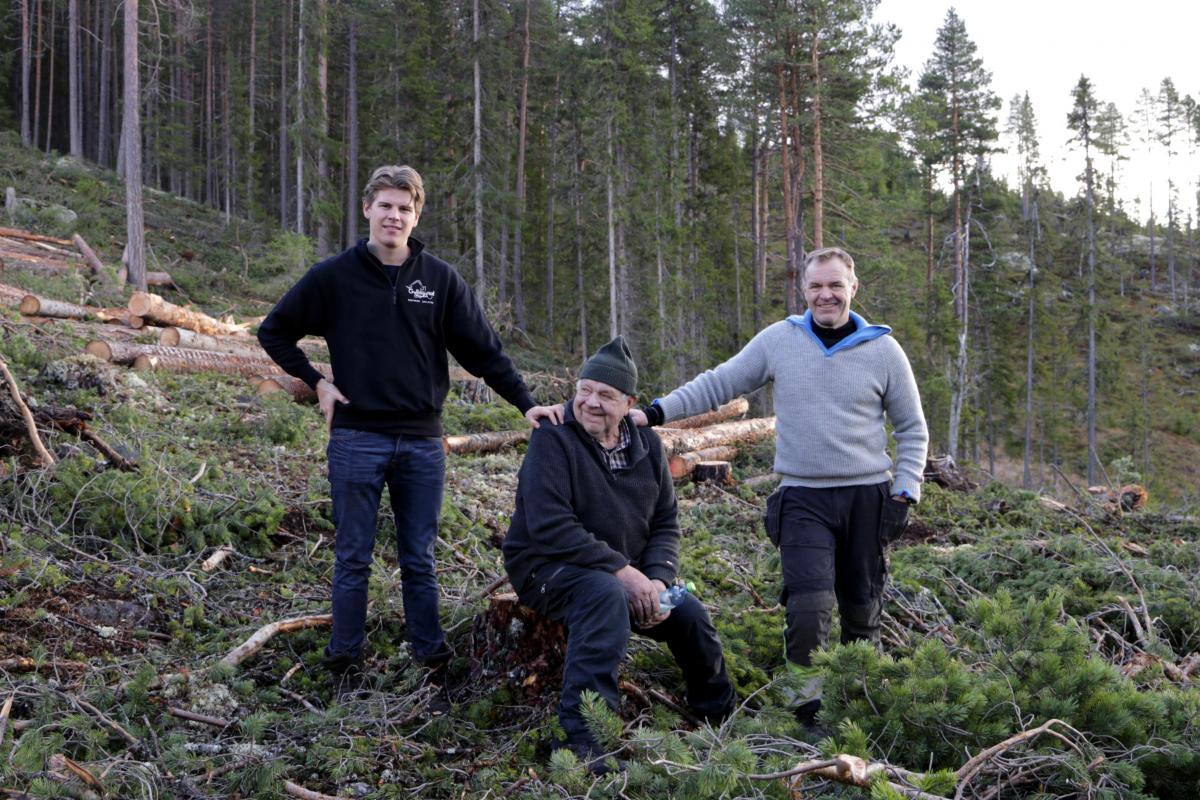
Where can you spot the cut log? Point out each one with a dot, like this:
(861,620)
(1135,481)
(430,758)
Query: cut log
(746,430)
(36,265)
(13,233)
(682,464)
(11,295)
(182,359)
(734,408)
(89,256)
(156,309)
(34,306)
(718,472)
(241,345)
(488,442)
(298,389)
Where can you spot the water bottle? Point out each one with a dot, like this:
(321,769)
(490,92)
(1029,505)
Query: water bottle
(670,597)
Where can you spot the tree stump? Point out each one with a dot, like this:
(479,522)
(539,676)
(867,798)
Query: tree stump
(945,473)
(718,472)
(516,641)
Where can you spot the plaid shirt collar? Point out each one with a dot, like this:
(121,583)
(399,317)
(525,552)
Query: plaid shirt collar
(617,458)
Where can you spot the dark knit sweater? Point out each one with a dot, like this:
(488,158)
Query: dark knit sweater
(388,338)
(572,509)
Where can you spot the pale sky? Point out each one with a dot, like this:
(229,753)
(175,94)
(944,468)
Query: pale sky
(1043,46)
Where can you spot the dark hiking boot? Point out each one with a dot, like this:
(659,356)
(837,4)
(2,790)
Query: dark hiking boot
(349,680)
(806,715)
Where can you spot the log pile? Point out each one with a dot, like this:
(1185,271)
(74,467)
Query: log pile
(32,253)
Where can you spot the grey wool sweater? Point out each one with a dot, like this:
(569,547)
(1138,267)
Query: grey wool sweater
(829,404)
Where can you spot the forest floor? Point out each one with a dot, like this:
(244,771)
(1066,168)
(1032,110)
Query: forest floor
(1030,649)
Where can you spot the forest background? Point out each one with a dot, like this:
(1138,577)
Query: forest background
(659,169)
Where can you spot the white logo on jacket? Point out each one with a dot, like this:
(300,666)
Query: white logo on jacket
(417,293)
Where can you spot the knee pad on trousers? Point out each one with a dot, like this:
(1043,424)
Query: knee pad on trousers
(861,622)
(808,619)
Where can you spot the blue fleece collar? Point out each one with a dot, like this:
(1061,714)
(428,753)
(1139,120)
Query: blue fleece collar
(864,332)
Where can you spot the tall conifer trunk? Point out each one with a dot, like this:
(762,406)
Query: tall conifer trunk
(135,247)
(74,68)
(477,158)
(519,221)
(300,120)
(284,158)
(350,230)
(26,62)
(324,245)
(104,124)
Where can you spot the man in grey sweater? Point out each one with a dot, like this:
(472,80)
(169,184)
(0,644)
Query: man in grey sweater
(841,499)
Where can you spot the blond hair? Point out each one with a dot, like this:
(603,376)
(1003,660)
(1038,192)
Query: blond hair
(827,254)
(394,176)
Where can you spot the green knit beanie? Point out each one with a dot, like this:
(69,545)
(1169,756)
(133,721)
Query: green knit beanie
(613,364)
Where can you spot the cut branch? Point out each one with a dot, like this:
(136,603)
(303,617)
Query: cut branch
(264,634)
(30,428)
(296,790)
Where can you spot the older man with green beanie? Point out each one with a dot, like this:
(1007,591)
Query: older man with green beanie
(595,539)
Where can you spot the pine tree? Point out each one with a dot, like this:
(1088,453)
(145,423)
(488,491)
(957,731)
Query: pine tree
(1082,120)
(954,88)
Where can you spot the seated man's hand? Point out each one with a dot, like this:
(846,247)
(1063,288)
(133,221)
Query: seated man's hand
(642,594)
(659,588)
(553,413)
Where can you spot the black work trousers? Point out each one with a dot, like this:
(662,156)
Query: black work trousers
(831,545)
(593,606)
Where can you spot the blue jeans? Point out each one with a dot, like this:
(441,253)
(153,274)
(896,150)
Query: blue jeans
(413,467)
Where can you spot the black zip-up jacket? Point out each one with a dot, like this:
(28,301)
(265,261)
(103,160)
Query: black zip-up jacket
(388,339)
(572,509)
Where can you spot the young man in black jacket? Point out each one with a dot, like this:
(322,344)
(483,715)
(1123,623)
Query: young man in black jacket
(389,311)
(593,542)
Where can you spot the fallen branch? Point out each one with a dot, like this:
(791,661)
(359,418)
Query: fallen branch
(203,719)
(976,763)
(651,694)
(36,440)
(296,790)
(4,712)
(264,634)
(216,559)
(26,664)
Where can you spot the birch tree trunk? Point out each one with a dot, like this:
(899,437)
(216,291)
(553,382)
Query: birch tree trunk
(350,231)
(134,226)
